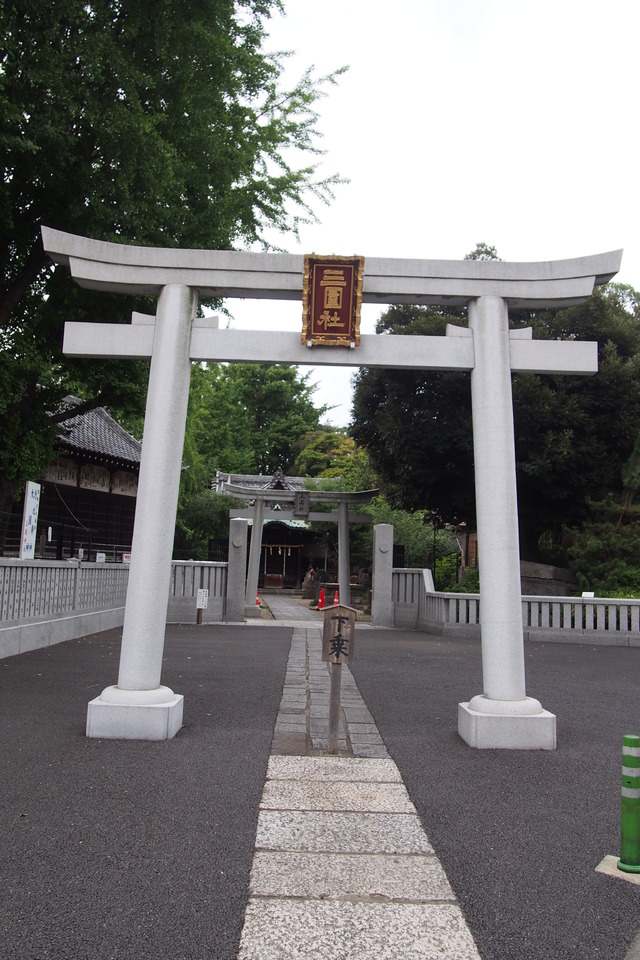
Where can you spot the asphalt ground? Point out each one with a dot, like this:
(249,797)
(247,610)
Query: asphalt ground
(518,833)
(121,849)
(130,850)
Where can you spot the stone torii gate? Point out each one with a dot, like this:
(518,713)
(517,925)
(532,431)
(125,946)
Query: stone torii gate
(342,516)
(139,707)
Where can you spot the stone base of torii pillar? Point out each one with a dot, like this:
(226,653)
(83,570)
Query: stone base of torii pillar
(506,724)
(116,713)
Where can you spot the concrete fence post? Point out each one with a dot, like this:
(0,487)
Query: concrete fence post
(344,563)
(76,585)
(255,552)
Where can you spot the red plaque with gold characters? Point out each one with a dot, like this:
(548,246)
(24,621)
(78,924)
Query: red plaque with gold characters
(331,297)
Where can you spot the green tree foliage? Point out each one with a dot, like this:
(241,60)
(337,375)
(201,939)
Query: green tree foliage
(605,554)
(147,123)
(242,418)
(413,532)
(416,427)
(203,515)
(246,418)
(630,481)
(573,434)
(216,423)
(331,453)
(483,252)
(469,581)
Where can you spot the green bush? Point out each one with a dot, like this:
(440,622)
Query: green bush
(447,572)
(470,583)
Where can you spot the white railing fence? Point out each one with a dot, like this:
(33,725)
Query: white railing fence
(46,588)
(43,602)
(63,597)
(189,576)
(43,588)
(568,619)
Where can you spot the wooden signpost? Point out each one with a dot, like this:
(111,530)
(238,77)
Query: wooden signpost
(338,638)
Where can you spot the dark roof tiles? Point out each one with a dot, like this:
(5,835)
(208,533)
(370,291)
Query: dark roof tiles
(96,434)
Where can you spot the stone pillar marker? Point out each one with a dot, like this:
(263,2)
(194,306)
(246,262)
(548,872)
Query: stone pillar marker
(381,575)
(502,716)
(236,571)
(338,639)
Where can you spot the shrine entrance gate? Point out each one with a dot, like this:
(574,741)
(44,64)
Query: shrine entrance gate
(138,706)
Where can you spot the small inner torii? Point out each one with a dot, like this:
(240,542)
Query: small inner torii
(298,506)
(138,706)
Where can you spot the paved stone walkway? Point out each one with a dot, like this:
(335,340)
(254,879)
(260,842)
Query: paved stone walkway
(302,724)
(342,869)
(286,607)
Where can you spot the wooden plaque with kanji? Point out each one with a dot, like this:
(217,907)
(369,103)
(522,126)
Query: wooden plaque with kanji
(338,635)
(331,298)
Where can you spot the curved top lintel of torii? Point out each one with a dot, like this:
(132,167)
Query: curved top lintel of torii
(124,268)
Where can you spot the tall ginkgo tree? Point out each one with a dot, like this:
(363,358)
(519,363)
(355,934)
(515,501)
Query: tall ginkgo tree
(158,124)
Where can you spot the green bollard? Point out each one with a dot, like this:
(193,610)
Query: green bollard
(630,806)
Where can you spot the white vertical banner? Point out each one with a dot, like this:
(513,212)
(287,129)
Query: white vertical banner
(30,520)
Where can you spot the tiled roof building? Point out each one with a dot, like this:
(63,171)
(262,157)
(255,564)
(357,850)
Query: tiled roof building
(97,436)
(88,497)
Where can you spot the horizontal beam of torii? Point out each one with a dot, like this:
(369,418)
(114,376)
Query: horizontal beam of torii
(453,352)
(120,268)
(314,516)
(503,716)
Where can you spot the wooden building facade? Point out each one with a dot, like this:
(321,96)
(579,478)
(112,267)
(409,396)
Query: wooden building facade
(88,495)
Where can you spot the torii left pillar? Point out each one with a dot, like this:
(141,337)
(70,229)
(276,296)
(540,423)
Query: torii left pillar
(139,706)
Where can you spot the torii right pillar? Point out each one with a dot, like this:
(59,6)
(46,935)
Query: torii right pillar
(503,715)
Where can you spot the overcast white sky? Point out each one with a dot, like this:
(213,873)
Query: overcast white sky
(462,121)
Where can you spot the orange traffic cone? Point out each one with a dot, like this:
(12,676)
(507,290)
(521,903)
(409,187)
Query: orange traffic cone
(321,601)
(257,599)
(335,600)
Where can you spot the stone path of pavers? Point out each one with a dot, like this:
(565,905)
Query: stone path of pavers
(342,869)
